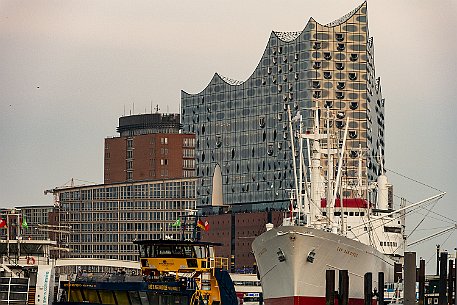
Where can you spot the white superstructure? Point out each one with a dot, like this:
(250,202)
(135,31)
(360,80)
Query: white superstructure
(324,231)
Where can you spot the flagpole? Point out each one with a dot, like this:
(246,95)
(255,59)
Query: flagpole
(8,236)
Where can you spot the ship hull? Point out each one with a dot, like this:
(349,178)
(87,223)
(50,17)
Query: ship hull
(292,263)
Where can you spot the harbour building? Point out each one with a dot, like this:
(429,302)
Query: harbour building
(26,222)
(243,147)
(148,185)
(150,146)
(105,219)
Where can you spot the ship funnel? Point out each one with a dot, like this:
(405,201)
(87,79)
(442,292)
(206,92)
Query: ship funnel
(269,226)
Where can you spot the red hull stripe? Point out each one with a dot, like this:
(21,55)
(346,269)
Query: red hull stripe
(301,300)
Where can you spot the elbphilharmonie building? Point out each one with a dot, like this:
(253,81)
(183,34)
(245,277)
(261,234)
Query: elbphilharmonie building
(243,145)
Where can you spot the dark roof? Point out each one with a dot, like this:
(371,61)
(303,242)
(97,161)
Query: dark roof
(174,242)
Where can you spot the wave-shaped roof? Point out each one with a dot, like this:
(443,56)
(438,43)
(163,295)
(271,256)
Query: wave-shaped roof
(345,17)
(288,36)
(230,81)
(291,36)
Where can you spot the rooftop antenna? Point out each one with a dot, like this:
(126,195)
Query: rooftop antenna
(157,108)
(151,106)
(134,108)
(124,109)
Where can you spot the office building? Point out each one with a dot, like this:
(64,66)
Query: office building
(27,222)
(243,148)
(150,146)
(106,218)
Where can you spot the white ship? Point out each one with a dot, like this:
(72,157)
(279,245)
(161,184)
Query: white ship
(361,235)
(26,266)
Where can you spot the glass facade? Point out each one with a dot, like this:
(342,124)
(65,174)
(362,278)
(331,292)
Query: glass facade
(243,126)
(105,219)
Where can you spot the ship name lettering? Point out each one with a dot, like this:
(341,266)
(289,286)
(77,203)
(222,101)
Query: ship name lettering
(345,251)
(163,287)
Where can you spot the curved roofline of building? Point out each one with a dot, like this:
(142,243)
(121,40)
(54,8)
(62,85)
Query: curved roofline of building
(233,82)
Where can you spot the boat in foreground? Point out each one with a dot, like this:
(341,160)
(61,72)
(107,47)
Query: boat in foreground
(172,272)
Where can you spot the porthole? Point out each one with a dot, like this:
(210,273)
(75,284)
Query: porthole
(354,57)
(352,134)
(327,55)
(339,36)
(316,45)
(354,105)
(340,47)
(339,124)
(328,104)
(340,115)
(339,95)
(327,74)
(317,94)
(352,75)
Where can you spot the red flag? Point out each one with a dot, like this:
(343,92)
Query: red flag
(2,223)
(203,225)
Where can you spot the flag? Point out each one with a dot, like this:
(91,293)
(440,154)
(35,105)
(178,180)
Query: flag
(177,223)
(2,223)
(203,225)
(24,223)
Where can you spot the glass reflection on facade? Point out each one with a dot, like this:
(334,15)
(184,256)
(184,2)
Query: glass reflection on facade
(243,126)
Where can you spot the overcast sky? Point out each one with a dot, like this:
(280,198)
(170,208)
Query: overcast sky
(68,69)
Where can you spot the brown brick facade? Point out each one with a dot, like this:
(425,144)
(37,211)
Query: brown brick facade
(149,156)
(246,227)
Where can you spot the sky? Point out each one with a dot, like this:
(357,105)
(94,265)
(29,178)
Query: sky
(70,69)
